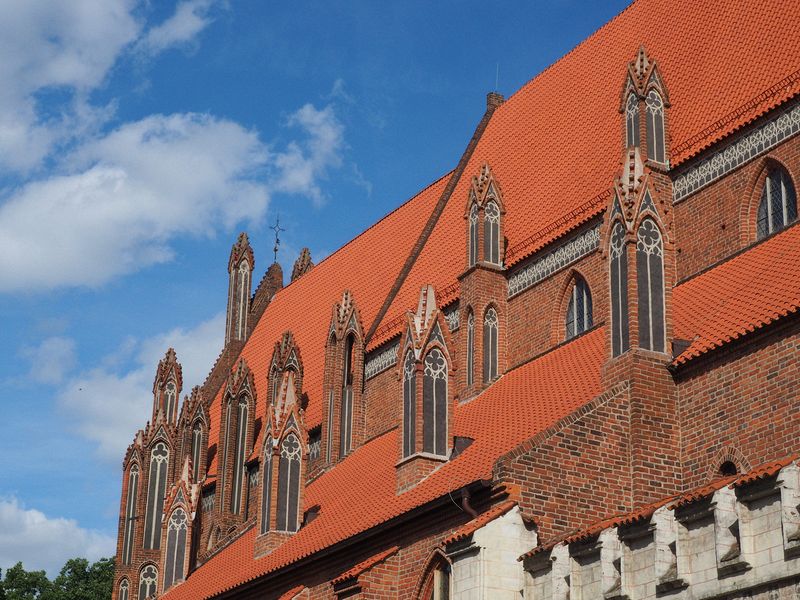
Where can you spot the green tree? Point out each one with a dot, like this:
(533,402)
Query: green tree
(79,580)
(20,584)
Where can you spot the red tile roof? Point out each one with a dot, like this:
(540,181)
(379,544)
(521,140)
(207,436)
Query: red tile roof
(764,471)
(290,595)
(360,493)
(739,296)
(463,532)
(365,565)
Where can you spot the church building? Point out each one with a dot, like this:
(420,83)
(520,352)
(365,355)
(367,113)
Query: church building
(567,369)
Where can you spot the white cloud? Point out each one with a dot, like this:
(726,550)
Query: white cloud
(51,360)
(125,196)
(302,165)
(42,542)
(108,404)
(189,19)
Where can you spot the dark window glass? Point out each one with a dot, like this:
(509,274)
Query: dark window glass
(470,348)
(266,486)
(632,120)
(778,206)
(346,413)
(223,463)
(491,233)
(409,404)
(170,400)
(655,126)
(176,548)
(329,430)
(131,501)
(275,382)
(238,457)
(434,403)
(197,441)
(579,310)
(619,291)
(490,346)
(288,484)
(473,234)
(156,490)
(148,582)
(650,284)
(124,590)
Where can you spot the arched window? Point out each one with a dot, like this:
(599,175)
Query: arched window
(266,486)
(632,120)
(409,404)
(197,447)
(238,457)
(655,127)
(473,234)
(470,348)
(156,490)
(148,582)
(288,484)
(131,500)
(437,583)
(650,285)
(579,309)
(244,289)
(619,291)
(346,414)
(124,590)
(490,346)
(176,548)
(491,233)
(434,403)
(778,206)
(329,430)
(170,397)
(275,384)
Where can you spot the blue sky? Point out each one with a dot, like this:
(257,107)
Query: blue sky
(138,137)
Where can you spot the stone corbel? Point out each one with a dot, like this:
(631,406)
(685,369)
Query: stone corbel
(789,484)
(665,537)
(726,533)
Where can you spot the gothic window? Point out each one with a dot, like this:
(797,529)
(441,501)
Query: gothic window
(239,457)
(148,582)
(619,291)
(176,548)
(170,397)
(224,459)
(156,490)
(244,289)
(778,206)
(434,403)
(288,483)
(346,413)
(655,126)
(632,120)
(130,514)
(329,430)
(409,404)
(266,486)
(124,590)
(650,285)
(437,584)
(491,233)
(579,309)
(275,384)
(490,325)
(473,234)
(197,447)
(470,348)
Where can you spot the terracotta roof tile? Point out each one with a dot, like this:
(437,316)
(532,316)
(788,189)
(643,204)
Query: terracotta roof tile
(360,493)
(481,520)
(764,471)
(739,296)
(365,565)
(290,595)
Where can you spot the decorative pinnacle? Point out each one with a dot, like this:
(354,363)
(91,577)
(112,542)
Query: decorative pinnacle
(277,229)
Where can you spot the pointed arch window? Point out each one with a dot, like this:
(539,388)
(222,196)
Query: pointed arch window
(156,490)
(243,293)
(655,126)
(346,413)
(632,120)
(170,398)
(434,403)
(148,582)
(778,205)
(473,234)
(176,548)
(288,484)
(124,590)
(238,457)
(619,291)
(266,486)
(491,233)
(329,429)
(197,447)
(275,384)
(470,348)
(131,500)
(409,404)
(579,309)
(650,285)
(490,327)
(437,584)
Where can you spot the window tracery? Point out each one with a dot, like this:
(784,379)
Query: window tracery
(148,582)
(176,548)
(650,280)
(289,483)
(632,120)
(434,403)
(619,291)
(470,348)
(778,205)
(490,332)
(346,413)
(239,454)
(197,447)
(409,404)
(130,514)
(156,490)
(266,487)
(473,234)
(124,590)
(491,233)
(655,126)
(579,310)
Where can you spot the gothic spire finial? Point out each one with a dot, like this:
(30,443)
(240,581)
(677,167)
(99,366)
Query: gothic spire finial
(277,229)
